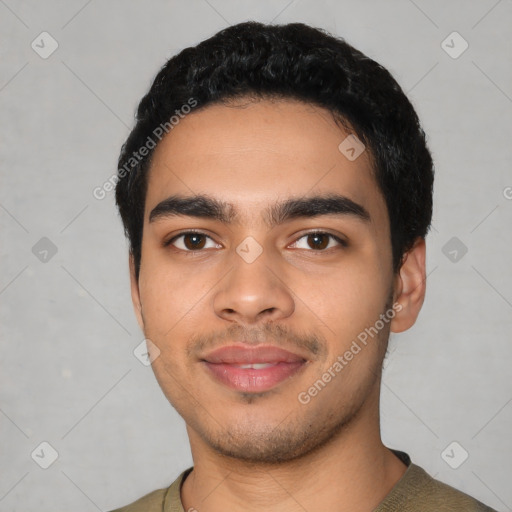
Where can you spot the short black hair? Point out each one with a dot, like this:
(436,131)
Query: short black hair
(292,61)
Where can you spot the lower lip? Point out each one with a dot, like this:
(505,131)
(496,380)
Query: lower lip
(251,380)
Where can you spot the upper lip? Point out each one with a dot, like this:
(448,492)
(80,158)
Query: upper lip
(242,354)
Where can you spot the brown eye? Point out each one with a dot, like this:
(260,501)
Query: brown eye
(192,241)
(318,240)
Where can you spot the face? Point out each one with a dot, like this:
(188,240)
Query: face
(260,232)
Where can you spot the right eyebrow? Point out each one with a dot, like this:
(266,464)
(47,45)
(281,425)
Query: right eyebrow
(194,206)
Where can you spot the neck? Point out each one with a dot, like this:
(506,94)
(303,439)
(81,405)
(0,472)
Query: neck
(354,471)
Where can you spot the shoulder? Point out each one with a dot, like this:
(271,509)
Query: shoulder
(151,502)
(417,490)
(167,499)
(447,498)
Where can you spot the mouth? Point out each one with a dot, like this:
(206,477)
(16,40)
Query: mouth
(252,370)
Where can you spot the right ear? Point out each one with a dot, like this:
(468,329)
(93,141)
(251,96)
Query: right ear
(134,286)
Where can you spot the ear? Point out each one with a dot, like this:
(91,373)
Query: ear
(410,286)
(134,286)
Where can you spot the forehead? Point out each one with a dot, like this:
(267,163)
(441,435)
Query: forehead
(251,154)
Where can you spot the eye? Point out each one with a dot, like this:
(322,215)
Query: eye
(318,241)
(192,241)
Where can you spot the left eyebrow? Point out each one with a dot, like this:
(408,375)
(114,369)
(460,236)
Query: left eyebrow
(206,207)
(304,207)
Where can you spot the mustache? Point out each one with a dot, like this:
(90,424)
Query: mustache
(270,333)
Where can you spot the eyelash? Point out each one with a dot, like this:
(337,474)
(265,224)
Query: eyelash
(169,242)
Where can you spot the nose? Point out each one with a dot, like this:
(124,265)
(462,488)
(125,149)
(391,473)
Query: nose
(253,292)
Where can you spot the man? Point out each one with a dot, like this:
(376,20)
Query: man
(276,192)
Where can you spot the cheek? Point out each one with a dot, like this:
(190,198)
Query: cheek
(171,302)
(347,297)
(170,293)
(177,300)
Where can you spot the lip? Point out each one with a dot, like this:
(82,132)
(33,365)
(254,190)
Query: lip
(224,365)
(242,354)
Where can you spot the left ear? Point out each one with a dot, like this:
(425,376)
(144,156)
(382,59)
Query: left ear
(410,286)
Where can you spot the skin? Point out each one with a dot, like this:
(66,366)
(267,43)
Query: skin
(268,451)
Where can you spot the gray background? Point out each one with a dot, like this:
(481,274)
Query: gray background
(68,373)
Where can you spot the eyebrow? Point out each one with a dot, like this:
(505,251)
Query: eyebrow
(205,207)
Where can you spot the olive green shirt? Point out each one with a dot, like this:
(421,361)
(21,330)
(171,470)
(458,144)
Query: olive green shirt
(416,491)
